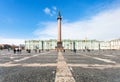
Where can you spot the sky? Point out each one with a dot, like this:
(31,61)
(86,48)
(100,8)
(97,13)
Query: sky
(22,20)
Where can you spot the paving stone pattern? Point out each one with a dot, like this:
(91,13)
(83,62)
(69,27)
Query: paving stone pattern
(49,66)
(63,73)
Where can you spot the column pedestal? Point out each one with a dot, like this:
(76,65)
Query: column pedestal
(59,46)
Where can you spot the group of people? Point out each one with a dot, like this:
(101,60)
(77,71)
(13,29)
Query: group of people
(35,50)
(17,50)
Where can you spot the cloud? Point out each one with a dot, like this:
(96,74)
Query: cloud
(49,11)
(48,31)
(11,41)
(54,8)
(103,26)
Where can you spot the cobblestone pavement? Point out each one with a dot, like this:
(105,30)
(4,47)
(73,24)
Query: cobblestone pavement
(94,66)
(48,66)
(63,73)
(27,67)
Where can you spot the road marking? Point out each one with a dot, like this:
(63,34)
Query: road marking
(12,57)
(101,59)
(63,73)
(25,58)
(96,66)
(29,65)
(105,60)
(39,65)
(109,55)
